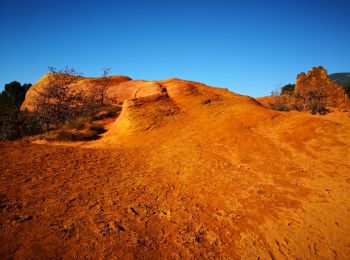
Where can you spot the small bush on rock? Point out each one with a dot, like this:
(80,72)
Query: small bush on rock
(312,100)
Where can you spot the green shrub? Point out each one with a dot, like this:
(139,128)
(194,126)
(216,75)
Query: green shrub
(280,108)
(289,88)
(58,106)
(18,124)
(12,96)
(280,103)
(346,87)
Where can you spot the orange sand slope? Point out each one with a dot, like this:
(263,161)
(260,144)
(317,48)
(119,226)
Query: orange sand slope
(194,172)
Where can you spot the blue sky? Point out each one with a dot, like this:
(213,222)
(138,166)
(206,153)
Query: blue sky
(249,47)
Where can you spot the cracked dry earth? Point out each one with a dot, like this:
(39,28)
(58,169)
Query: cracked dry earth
(226,179)
(84,203)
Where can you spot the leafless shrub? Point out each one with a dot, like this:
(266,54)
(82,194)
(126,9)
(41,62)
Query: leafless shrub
(102,88)
(59,102)
(313,100)
(316,101)
(280,103)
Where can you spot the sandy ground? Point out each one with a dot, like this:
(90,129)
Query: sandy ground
(225,179)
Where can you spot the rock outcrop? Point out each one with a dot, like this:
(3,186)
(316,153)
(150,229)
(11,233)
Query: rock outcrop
(120,88)
(317,77)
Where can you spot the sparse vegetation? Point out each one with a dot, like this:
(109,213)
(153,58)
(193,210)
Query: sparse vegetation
(66,109)
(58,107)
(76,122)
(346,87)
(102,88)
(280,101)
(286,89)
(58,103)
(12,97)
(21,123)
(14,123)
(312,100)
(106,111)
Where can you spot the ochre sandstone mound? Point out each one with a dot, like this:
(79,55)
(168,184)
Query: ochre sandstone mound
(186,171)
(87,85)
(267,101)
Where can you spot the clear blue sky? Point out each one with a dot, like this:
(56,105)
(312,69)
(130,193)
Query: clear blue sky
(247,46)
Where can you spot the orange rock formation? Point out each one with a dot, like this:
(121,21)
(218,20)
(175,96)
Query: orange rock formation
(189,171)
(115,90)
(318,77)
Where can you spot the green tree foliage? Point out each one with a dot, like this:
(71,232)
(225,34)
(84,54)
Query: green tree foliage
(346,87)
(12,96)
(13,122)
(289,88)
(59,103)
(18,124)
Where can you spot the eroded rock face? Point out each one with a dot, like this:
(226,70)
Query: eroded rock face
(114,91)
(120,89)
(317,77)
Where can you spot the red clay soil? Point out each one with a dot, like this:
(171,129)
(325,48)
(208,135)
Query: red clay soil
(198,173)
